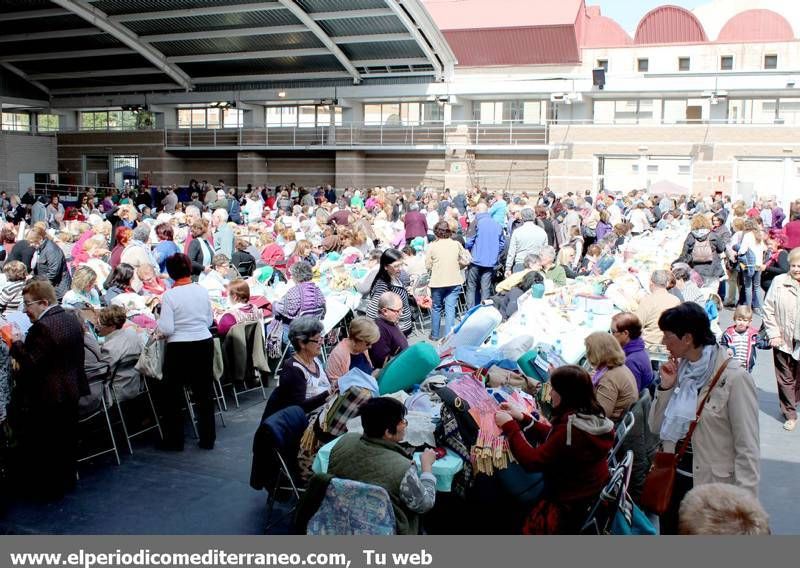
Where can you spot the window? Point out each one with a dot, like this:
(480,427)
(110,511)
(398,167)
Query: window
(602,63)
(684,64)
(16,121)
(47,122)
(211,117)
(652,168)
(642,65)
(684,169)
(116,120)
(412,113)
(770,62)
(726,63)
(305,116)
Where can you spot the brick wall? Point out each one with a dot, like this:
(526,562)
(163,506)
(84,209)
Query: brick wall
(25,154)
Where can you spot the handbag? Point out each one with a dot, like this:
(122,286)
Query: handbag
(464,257)
(660,481)
(151,361)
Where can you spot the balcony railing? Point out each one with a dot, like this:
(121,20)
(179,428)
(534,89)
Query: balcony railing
(429,135)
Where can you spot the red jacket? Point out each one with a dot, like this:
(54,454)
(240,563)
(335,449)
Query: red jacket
(792,231)
(574,469)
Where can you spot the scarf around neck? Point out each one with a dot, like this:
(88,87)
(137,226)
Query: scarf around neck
(682,407)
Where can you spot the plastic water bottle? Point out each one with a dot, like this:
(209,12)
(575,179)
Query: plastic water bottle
(590,319)
(523,320)
(557,347)
(494,341)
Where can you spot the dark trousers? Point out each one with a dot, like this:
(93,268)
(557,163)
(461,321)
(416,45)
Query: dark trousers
(188,363)
(48,444)
(786,369)
(475,275)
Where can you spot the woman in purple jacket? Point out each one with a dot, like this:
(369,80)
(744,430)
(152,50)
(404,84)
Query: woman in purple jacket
(627,330)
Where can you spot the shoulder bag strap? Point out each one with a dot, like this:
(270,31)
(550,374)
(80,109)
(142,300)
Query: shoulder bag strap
(685,444)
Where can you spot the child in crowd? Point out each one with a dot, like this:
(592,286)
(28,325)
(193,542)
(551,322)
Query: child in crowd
(713,306)
(742,339)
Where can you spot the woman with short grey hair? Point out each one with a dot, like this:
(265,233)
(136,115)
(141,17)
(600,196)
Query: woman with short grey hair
(302,272)
(302,379)
(304,299)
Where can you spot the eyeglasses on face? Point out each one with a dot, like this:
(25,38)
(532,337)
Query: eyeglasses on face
(318,341)
(395,310)
(32,302)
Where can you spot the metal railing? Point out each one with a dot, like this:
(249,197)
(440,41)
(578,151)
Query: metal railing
(433,135)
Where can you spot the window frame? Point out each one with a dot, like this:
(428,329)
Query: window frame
(773,56)
(688,61)
(723,58)
(15,124)
(639,61)
(602,63)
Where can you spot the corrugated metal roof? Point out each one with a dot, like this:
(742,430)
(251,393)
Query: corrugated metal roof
(73,43)
(523,46)
(282,65)
(311,83)
(234,44)
(669,24)
(756,25)
(388,50)
(22,5)
(84,64)
(601,31)
(115,7)
(107,81)
(214,22)
(42,24)
(357,26)
(336,5)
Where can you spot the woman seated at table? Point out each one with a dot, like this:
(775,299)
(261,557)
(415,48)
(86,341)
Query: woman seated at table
(152,284)
(565,259)
(241,309)
(303,251)
(508,302)
(614,382)
(388,276)
(353,352)
(590,261)
(572,453)
(83,290)
(120,342)
(242,260)
(302,380)
(304,299)
(119,282)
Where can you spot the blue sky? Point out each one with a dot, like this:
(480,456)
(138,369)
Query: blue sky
(628,12)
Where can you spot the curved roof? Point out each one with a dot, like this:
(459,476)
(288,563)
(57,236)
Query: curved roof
(68,47)
(602,31)
(756,25)
(669,24)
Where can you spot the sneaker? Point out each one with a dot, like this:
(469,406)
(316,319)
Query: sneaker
(790,424)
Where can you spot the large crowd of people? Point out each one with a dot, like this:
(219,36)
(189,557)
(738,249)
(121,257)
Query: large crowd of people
(100,277)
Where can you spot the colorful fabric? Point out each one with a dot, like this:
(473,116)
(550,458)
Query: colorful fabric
(491,449)
(353,508)
(304,299)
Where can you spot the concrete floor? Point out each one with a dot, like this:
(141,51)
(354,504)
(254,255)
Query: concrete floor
(201,492)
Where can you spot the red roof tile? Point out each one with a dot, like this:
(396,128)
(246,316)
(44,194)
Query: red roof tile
(669,24)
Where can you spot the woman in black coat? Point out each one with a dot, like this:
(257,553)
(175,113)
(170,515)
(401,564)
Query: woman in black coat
(200,252)
(51,264)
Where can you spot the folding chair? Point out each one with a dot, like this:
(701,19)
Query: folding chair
(246,268)
(128,363)
(284,429)
(190,407)
(620,433)
(257,376)
(353,508)
(605,508)
(104,411)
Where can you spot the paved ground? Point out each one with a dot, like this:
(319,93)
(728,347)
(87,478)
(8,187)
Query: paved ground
(200,492)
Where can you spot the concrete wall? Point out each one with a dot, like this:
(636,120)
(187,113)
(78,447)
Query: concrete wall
(713,149)
(25,154)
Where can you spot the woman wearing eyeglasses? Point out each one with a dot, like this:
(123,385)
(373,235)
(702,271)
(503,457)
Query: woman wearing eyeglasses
(302,380)
(352,352)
